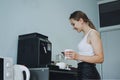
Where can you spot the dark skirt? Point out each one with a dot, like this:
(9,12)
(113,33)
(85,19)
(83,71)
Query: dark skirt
(87,71)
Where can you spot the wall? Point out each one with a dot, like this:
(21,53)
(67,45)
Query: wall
(110,37)
(111,44)
(48,17)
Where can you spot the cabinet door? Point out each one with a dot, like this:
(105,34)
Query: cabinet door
(111,45)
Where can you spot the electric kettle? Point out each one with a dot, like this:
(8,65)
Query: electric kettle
(18,72)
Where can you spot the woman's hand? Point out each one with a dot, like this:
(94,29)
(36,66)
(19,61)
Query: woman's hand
(72,55)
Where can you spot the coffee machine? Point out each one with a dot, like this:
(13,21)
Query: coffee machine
(34,50)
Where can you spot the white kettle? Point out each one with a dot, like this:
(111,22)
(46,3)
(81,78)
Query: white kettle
(18,72)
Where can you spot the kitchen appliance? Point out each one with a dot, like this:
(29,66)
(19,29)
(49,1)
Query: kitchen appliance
(34,50)
(20,71)
(6,68)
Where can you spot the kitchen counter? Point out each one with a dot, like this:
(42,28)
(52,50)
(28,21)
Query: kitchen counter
(47,74)
(64,71)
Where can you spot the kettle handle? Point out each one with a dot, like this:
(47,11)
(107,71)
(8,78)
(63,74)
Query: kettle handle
(27,72)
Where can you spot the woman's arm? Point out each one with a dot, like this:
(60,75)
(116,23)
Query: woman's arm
(95,41)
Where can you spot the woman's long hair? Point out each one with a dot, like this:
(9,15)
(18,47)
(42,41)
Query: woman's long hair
(79,14)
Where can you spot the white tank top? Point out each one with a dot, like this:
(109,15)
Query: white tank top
(84,47)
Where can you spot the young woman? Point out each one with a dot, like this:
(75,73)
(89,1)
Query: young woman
(90,47)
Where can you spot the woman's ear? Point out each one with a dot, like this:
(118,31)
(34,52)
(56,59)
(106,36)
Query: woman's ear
(81,20)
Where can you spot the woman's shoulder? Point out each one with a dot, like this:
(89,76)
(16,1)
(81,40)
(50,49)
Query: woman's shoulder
(94,33)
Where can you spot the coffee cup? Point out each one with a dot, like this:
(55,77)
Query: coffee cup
(67,50)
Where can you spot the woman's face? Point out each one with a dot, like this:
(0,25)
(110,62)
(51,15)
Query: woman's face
(76,25)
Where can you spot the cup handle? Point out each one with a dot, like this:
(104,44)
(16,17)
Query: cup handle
(27,72)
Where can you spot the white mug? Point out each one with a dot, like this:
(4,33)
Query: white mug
(67,57)
(18,72)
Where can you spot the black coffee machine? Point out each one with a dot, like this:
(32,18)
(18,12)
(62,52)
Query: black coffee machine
(34,50)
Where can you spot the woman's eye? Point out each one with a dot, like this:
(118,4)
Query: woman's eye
(72,24)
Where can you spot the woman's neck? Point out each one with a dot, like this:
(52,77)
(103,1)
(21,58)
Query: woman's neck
(86,29)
